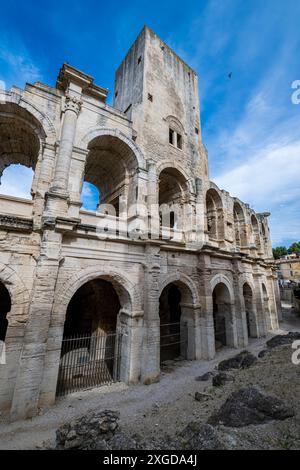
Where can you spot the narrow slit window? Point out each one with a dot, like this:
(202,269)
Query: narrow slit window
(171,136)
(179,141)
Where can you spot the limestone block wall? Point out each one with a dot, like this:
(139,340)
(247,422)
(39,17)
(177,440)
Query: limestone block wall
(50,247)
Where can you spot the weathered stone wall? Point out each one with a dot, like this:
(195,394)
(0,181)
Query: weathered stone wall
(49,247)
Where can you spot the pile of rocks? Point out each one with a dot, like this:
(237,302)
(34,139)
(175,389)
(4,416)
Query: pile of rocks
(92,431)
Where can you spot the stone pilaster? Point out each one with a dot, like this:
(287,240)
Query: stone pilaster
(151,342)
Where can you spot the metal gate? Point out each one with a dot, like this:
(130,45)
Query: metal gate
(88,361)
(171,341)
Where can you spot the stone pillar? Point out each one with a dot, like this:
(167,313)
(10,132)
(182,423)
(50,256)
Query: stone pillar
(260,307)
(201,237)
(62,169)
(153,201)
(43,181)
(151,340)
(206,317)
(31,364)
(130,325)
(190,323)
(137,207)
(241,321)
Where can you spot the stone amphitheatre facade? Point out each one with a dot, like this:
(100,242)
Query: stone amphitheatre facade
(122,270)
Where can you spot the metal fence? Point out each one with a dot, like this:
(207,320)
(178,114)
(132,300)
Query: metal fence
(88,361)
(171,341)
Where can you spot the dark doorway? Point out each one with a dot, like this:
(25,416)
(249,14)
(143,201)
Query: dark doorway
(250,317)
(90,351)
(170,316)
(5,307)
(221,315)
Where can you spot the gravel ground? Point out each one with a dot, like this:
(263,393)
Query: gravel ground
(168,406)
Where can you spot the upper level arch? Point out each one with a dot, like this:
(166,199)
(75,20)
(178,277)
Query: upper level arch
(17,101)
(214,214)
(112,165)
(128,145)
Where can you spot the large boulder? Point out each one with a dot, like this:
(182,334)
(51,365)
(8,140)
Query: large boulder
(250,405)
(242,360)
(92,431)
(281,340)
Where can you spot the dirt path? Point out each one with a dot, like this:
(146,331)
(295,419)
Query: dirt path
(148,410)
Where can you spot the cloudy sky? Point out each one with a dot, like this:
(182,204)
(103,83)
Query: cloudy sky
(250,126)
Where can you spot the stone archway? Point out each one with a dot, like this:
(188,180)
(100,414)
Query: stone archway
(129,325)
(224,321)
(91,352)
(179,315)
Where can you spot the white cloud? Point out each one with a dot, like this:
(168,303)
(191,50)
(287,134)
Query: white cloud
(17,66)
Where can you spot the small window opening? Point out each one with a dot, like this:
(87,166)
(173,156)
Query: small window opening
(116,93)
(179,141)
(197,130)
(171,136)
(140,59)
(172,219)
(150,97)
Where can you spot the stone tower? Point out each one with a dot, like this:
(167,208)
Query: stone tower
(158,92)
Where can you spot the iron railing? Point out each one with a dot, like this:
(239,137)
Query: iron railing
(172,341)
(88,361)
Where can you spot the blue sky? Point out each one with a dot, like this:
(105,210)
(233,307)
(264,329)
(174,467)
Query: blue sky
(250,126)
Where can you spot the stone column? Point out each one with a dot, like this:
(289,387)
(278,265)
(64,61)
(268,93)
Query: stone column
(31,363)
(190,324)
(206,318)
(62,169)
(151,340)
(130,327)
(153,201)
(260,307)
(241,320)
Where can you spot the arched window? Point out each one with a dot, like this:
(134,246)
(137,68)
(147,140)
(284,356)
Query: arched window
(214,215)
(255,232)
(239,225)
(172,193)
(20,136)
(17,181)
(110,170)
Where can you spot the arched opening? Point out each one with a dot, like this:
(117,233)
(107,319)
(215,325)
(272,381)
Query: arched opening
(222,316)
(5,307)
(20,136)
(16,181)
(172,193)
(111,168)
(255,231)
(172,334)
(239,225)
(91,344)
(249,310)
(214,215)
(90,197)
